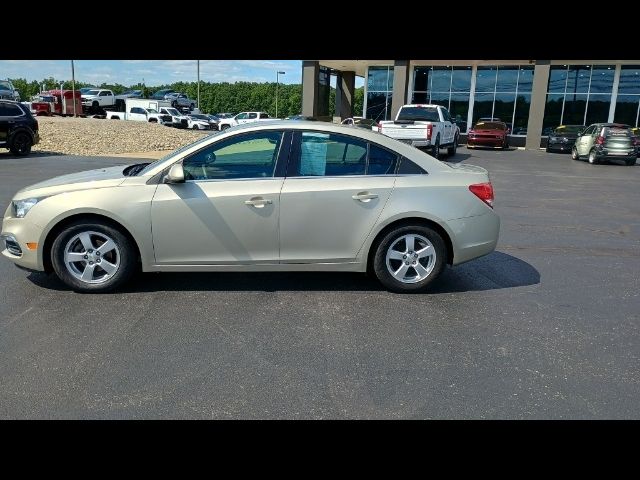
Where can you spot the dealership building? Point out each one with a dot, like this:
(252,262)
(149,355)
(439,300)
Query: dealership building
(532,96)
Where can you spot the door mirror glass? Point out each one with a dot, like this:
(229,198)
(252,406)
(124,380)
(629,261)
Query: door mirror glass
(175,175)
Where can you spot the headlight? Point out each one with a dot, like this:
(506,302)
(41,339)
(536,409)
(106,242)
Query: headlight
(553,139)
(22,207)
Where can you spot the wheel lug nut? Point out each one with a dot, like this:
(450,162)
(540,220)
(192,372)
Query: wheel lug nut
(90,263)
(406,263)
(98,253)
(86,256)
(404,256)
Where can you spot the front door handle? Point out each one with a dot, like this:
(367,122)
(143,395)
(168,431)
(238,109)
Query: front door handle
(258,202)
(364,196)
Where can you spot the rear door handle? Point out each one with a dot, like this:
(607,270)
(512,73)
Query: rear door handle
(364,196)
(258,202)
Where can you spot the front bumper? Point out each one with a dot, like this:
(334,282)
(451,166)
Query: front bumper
(22,232)
(485,142)
(562,146)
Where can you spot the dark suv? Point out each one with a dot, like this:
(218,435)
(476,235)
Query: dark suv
(18,128)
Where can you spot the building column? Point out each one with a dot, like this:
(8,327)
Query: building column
(400,85)
(538,103)
(614,93)
(345,89)
(310,87)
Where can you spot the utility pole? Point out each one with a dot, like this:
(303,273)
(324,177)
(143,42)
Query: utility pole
(198,84)
(73,88)
(278,73)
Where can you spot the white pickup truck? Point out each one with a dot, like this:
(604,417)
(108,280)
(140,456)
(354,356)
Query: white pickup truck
(98,97)
(244,117)
(141,114)
(423,126)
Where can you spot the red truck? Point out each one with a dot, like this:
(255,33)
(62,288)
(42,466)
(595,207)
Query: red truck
(56,102)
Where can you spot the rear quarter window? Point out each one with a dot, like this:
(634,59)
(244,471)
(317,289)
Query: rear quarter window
(407,167)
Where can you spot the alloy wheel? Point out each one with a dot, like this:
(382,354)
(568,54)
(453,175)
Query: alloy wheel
(92,257)
(411,258)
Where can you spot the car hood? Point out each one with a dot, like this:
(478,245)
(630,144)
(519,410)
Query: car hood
(571,136)
(99,178)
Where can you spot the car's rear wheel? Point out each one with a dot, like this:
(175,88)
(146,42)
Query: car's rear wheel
(631,161)
(21,144)
(195,127)
(593,159)
(409,258)
(435,150)
(93,257)
(574,154)
(451,151)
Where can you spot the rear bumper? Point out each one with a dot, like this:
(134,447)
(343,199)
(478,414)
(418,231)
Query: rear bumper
(603,153)
(415,142)
(474,237)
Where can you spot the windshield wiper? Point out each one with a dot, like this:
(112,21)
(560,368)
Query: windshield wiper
(133,170)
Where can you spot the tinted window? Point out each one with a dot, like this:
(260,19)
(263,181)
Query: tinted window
(381,161)
(9,110)
(331,155)
(253,115)
(429,114)
(243,156)
(407,167)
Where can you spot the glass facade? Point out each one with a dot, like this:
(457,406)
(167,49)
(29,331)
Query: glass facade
(504,92)
(578,95)
(379,93)
(446,86)
(628,101)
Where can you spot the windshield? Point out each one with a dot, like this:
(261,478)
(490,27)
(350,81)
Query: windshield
(489,126)
(176,152)
(568,129)
(92,92)
(5,85)
(152,110)
(173,111)
(420,114)
(201,117)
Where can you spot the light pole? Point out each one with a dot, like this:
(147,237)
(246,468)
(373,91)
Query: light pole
(198,85)
(278,73)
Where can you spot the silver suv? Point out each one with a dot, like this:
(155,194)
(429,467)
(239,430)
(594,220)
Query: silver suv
(8,92)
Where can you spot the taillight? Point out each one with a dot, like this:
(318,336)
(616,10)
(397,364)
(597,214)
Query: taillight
(379,127)
(600,140)
(484,191)
(429,131)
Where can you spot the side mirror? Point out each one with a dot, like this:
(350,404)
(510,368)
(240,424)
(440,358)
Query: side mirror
(175,175)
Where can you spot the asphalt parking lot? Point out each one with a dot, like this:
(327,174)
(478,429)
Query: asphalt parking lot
(545,327)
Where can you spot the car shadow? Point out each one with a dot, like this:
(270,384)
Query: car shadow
(34,154)
(495,271)
(457,158)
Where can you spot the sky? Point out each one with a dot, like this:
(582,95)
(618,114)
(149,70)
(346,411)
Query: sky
(156,72)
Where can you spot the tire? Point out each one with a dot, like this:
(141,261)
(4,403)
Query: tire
(451,151)
(21,144)
(396,241)
(75,239)
(592,157)
(574,154)
(547,150)
(435,150)
(195,127)
(224,127)
(192,106)
(174,104)
(505,145)
(153,120)
(631,162)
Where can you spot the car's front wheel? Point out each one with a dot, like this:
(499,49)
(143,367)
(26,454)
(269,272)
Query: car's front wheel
(409,258)
(93,257)
(574,154)
(631,161)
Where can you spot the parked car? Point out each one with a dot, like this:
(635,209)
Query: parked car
(300,117)
(488,134)
(8,92)
(18,127)
(200,121)
(98,98)
(244,117)
(160,94)
(141,114)
(179,120)
(130,94)
(423,126)
(222,116)
(366,123)
(563,138)
(339,199)
(606,141)
(180,100)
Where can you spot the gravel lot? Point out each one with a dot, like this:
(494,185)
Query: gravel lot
(548,326)
(92,136)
